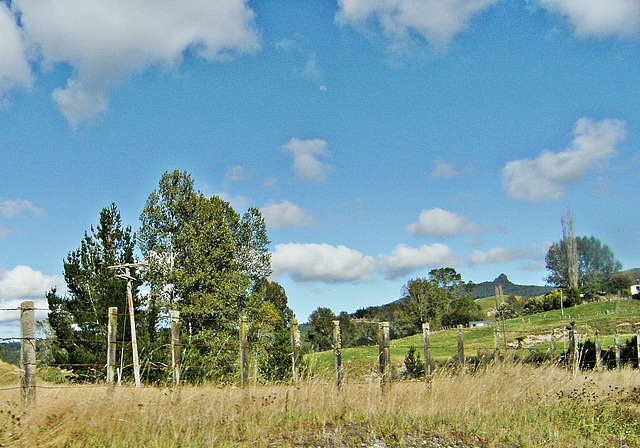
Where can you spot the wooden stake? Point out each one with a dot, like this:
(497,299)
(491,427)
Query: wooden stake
(28,353)
(598,351)
(337,353)
(175,347)
(616,338)
(384,356)
(295,350)
(244,352)
(460,346)
(426,334)
(112,330)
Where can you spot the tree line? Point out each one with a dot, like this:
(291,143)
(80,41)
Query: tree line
(201,258)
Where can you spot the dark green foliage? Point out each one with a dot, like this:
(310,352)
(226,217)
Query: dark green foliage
(321,328)
(443,299)
(413,364)
(79,318)
(596,265)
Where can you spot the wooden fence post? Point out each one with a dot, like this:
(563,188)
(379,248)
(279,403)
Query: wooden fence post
(244,352)
(426,334)
(598,351)
(295,350)
(553,341)
(496,340)
(460,346)
(337,352)
(384,349)
(112,330)
(616,338)
(638,347)
(28,352)
(176,349)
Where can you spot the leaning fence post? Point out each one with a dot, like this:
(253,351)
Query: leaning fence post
(384,348)
(426,334)
(295,350)
(460,346)
(337,353)
(244,352)
(616,338)
(112,330)
(28,352)
(598,350)
(175,346)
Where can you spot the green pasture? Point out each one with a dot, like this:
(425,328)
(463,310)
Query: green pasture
(605,316)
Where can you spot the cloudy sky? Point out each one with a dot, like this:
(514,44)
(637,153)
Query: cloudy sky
(380,138)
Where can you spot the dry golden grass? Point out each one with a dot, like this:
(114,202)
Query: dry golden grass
(504,405)
(9,374)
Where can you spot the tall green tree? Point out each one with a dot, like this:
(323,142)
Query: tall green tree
(441,299)
(596,264)
(205,261)
(321,328)
(274,343)
(79,317)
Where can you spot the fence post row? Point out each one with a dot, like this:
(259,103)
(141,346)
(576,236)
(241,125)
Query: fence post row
(384,355)
(426,334)
(112,330)
(244,352)
(295,350)
(337,352)
(28,352)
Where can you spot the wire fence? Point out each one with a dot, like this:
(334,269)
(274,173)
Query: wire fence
(171,355)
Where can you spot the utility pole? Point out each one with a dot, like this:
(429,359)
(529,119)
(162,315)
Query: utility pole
(124,272)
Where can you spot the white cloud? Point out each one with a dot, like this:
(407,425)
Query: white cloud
(441,223)
(24,283)
(599,18)
(405,259)
(547,177)
(11,209)
(444,170)
(235,174)
(286,214)
(105,42)
(437,21)
(534,252)
(14,68)
(305,158)
(298,44)
(237,202)
(496,255)
(322,262)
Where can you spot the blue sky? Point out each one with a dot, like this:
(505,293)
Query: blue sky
(380,138)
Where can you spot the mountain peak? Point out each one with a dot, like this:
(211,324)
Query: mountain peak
(502,278)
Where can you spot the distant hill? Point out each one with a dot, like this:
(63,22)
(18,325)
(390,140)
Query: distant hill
(488,289)
(633,274)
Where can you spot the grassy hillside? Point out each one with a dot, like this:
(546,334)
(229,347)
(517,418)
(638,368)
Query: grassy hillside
(534,330)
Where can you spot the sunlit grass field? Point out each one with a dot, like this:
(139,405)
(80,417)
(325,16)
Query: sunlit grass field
(503,405)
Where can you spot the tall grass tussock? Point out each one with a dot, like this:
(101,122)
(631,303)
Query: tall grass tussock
(501,405)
